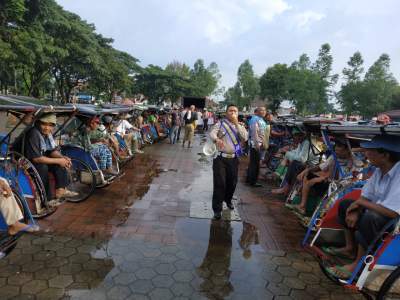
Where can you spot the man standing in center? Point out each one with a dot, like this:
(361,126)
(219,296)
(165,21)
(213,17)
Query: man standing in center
(228,134)
(257,128)
(190,119)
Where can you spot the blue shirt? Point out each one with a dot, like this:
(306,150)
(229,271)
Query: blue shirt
(384,190)
(257,130)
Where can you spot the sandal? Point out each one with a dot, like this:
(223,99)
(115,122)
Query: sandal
(299,210)
(28,228)
(290,206)
(334,252)
(339,272)
(69,194)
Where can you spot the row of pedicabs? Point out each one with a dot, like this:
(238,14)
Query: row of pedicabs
(17,116)
(378,271)
(377,275)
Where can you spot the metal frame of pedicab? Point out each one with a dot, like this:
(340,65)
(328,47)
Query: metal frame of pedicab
(35,191)
(77,151)
(19,183)
(299,124)
(379,269)
(118,109)
(313,127)
(287,123)
(29,180)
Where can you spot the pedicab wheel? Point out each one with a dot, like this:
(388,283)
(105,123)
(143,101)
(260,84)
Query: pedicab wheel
(392,280)
(81,180)
(323,266)
(44,212)
(9,242)
(23,207)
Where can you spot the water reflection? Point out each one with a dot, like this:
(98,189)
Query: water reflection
(248,238)
(216,263)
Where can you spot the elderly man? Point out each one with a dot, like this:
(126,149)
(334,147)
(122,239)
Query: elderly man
(257,128)
(190,119)
(39,147)
(379,204)
(228,134)
(129,133)
(94,141)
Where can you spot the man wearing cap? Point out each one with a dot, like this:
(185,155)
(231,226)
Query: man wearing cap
(94,141)
(228,134)
(129,133)
(379,203)
(39,147)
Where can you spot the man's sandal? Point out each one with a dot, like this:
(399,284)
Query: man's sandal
(339,272)
(334,252)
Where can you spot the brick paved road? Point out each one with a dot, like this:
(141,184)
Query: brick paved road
(135,240)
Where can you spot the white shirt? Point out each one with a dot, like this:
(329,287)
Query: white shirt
(123,127)
(384,190)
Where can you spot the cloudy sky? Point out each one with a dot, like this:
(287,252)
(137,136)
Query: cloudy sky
(230,31)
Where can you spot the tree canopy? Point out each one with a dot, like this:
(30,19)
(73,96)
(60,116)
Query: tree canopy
(310,86)
(46,50)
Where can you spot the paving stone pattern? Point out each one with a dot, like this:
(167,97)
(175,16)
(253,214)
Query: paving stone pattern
(135,240)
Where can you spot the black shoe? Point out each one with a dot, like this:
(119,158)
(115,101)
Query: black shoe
(256,184)
(230,206)
(217,216)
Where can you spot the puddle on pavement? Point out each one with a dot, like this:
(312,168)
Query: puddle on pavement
(227,256)
(167,170)
(204,159)
(211,259)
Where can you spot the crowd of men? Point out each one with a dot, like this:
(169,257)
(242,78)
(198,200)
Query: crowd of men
(257,137)
(104,137)
(362,218)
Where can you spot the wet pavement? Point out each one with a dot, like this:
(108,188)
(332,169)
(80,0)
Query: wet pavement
(135,240)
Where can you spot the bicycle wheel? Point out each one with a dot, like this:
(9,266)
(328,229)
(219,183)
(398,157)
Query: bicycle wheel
(8,242)
(391,286)
(81,180)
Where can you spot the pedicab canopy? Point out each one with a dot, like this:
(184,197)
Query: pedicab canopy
(22,105)
(90,110)
(362,130)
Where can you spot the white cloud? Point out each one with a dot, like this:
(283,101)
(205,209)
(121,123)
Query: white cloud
(220,21)
(268,10)
(304,20)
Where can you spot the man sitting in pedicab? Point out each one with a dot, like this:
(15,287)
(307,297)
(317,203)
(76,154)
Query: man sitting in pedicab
(315,180)
(295,161)
(95,141)
(130,134)
(39,147)
(11,212)
(379,203)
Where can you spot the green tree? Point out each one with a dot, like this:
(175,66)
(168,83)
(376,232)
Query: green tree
(248,82)
(234,95)
(395,103)
(205,79)
(274,85)
(379,86)
(352,89)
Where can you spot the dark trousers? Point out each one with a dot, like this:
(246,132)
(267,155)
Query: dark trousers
(254,166)
(179,133)
(205,124)
(369,224)
(59,173)
(294,169)
(225,175)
